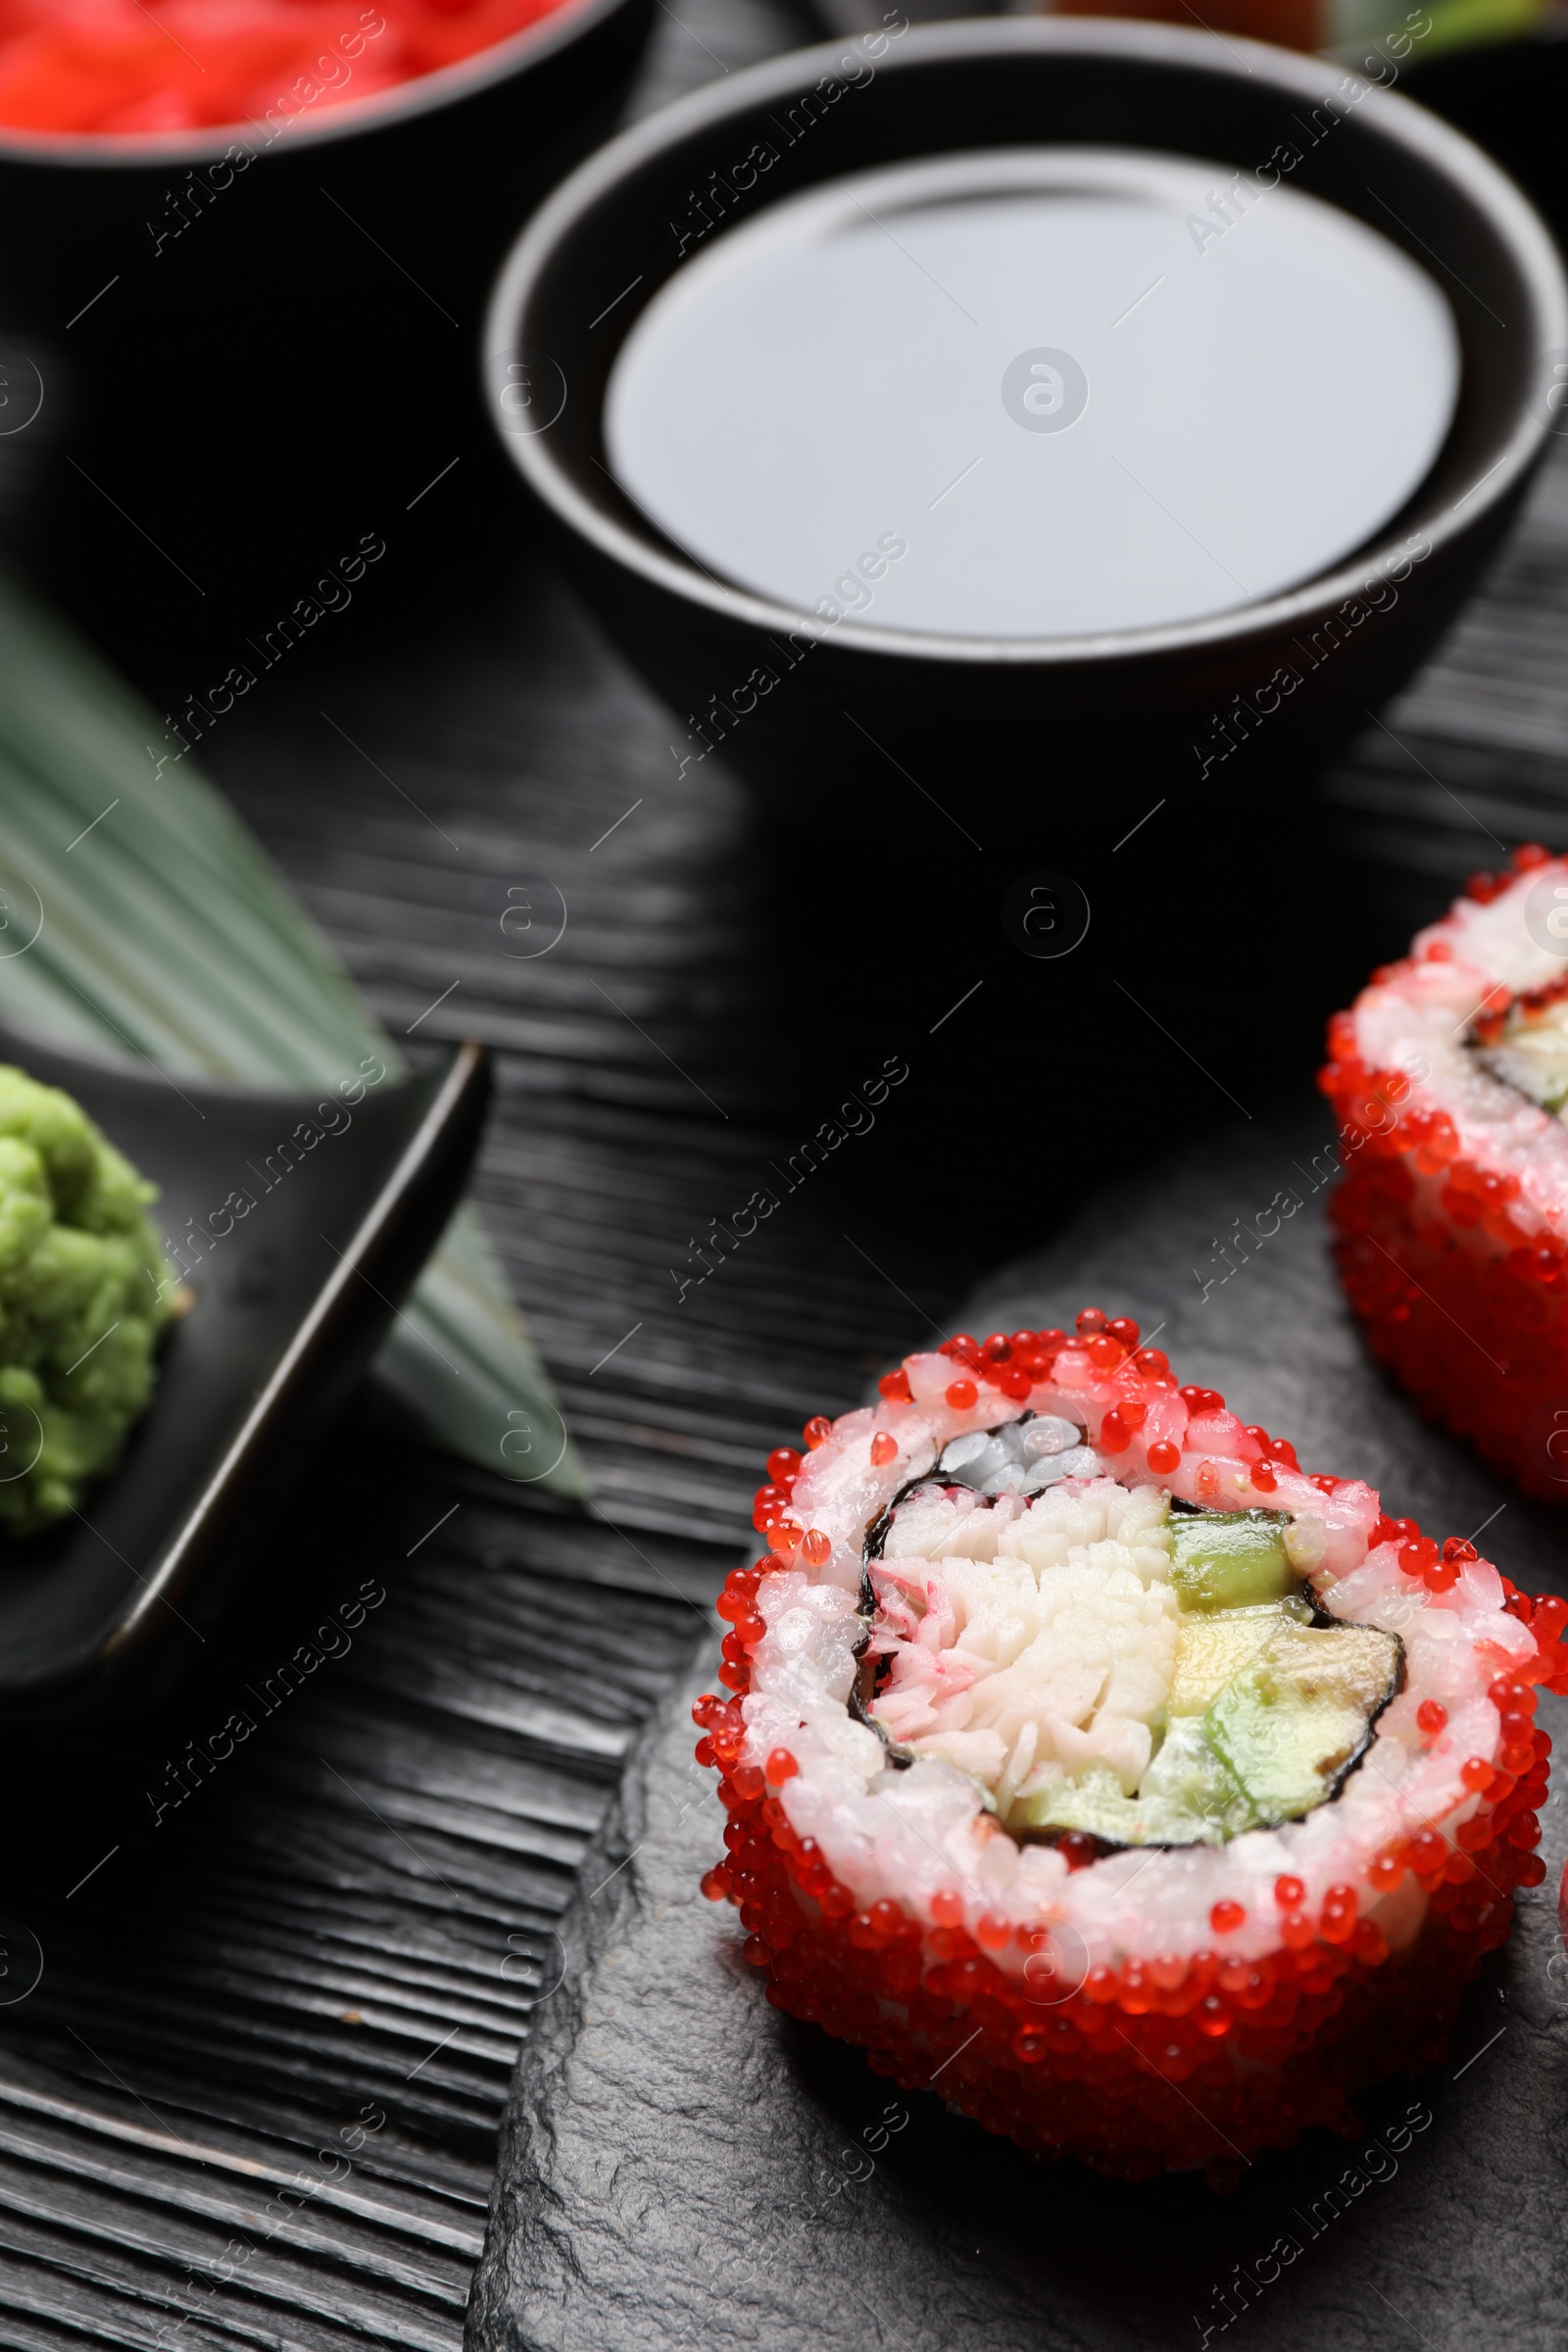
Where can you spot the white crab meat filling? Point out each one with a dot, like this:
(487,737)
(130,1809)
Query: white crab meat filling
(1029,1640)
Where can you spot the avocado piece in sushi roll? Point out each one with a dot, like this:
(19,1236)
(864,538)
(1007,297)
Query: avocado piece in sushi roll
(1086,1759)
(1231,1559)
(1292,1726)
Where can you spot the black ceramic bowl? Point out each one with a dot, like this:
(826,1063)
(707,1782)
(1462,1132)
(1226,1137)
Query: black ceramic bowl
(1091,729)
(254,341)
(290,1304)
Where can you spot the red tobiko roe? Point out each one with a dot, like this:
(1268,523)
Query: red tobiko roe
(109,67)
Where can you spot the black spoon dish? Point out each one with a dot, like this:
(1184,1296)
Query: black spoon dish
(293,1256)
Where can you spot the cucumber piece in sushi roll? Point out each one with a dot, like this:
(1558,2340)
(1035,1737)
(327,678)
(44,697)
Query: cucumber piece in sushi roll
(1449,1075)
(1087,1761)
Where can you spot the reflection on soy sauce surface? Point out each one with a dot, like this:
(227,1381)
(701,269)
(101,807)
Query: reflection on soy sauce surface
(1054,391)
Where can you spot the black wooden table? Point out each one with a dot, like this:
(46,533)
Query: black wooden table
(254,2099)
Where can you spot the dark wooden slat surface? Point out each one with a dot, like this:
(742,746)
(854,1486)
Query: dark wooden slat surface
(356,1912)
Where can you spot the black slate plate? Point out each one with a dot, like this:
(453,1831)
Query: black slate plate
(291,1298)
(683,2164)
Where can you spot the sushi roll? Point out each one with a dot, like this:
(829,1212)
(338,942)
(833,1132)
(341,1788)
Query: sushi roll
(1088,1762)
(1449,1075)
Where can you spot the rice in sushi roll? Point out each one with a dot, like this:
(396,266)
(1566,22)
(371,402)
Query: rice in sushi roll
(1450,1078)
(1088,1762)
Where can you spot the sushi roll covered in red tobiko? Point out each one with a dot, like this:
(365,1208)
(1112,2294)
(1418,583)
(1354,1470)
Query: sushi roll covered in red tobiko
(1449,1075)
(1089,1762)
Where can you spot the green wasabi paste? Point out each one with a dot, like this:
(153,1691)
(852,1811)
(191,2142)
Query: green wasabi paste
(84,1292)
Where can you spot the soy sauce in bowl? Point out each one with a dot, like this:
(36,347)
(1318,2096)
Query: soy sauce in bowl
(1035,393)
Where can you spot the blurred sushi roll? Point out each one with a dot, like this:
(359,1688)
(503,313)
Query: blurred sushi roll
(1449,1075)
(1088,1762)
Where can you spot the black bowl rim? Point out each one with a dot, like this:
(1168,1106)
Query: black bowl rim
(1309,79)
(405,101)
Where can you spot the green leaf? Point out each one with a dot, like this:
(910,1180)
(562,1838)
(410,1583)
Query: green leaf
(137,916)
